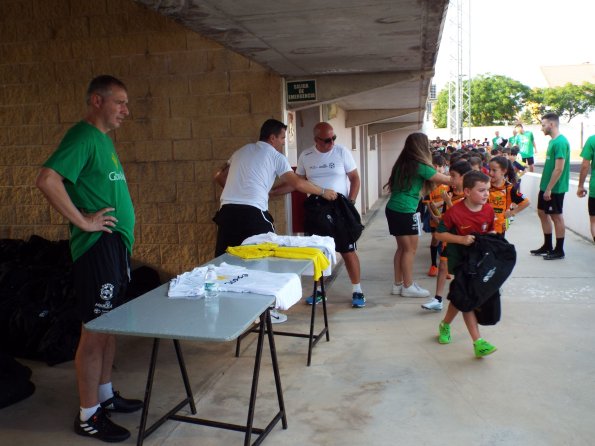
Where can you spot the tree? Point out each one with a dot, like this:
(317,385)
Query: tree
(567,101)
(495,99)
(440,110)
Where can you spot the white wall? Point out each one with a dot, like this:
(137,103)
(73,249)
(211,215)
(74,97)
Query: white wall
(576,215)
(372,155)
(391,146)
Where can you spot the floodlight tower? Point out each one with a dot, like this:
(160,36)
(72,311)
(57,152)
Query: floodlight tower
(459,88)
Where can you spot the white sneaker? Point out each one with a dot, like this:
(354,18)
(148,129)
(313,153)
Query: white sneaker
(278,318)
(397,289)
(433,304)
(414,291)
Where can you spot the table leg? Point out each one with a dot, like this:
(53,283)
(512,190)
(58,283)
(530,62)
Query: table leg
(276,368)
(328,336)
(148,389)
(182,365)
(255,375)
(312,319)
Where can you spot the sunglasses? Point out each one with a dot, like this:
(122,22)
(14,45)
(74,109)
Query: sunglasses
(327,140)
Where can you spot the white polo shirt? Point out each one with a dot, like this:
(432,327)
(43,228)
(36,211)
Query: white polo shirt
(252,172)
(328,170)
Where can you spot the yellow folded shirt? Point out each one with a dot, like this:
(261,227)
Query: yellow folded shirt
(319,260)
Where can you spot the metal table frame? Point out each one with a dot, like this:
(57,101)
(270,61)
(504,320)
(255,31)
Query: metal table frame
(249,429)
(147,316)
(312,337)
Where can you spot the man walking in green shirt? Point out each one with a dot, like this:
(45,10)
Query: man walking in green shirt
(526,143)
(588,165)
(554,184)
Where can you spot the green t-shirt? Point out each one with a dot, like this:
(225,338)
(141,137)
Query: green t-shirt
(588,153)
(513,141)
(557,148)
(94,180)
(406,201)
(525,142)
(496,141)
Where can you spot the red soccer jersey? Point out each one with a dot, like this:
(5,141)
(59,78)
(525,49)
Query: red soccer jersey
(460,220)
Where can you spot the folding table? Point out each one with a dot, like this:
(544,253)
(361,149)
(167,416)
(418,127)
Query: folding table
(156,316)
(281,265)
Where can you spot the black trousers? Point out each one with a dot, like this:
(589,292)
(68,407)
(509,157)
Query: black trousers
(237,222)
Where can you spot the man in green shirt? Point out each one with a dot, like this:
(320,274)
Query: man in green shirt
(84,181)
(497,141)
(588,156)
(526,142)
(554,184)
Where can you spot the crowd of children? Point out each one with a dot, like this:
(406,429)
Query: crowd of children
(484,196)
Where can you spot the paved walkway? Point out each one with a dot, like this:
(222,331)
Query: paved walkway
(383,379)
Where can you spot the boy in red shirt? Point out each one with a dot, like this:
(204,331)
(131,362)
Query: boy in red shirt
(473,215)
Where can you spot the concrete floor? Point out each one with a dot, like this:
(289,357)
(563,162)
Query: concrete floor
(383,379)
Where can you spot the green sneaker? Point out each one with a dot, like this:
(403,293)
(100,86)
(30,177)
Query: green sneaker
(483,348)
(444,333)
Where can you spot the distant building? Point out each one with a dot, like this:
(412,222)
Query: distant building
(560,75)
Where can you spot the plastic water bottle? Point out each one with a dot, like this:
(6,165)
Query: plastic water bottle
(211,289)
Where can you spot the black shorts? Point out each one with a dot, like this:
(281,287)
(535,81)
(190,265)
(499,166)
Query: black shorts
(592,206)
(237,222)
(315,210)
(101,276)
(530,160)
(400,223)
(554,206)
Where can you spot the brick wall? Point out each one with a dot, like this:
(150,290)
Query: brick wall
(192,104)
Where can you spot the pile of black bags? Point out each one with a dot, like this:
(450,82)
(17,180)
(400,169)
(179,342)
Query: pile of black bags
(38,317)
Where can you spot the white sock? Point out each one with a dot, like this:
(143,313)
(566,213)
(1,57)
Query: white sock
(399,284)
(357,288)
(105,392)
(88,412)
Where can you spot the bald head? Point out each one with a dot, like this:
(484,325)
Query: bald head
(322,127)
(324,136)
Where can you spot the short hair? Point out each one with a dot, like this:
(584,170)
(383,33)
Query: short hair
(472,177)
(101,85)
(507,150)
(475,161)
(438,160)
(552,117)
(461,167)
(518,125)
(515,150)
(271,127)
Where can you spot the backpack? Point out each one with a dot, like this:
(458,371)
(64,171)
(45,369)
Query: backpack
(484,268)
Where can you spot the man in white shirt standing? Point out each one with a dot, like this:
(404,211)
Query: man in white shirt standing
(331,166)
(247,179)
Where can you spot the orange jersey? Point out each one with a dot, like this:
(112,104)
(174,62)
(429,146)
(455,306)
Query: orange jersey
(500,199)
(437,201)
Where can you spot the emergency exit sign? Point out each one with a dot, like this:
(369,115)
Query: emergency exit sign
(301,91)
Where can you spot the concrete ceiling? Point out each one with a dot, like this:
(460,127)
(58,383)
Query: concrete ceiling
(365,55)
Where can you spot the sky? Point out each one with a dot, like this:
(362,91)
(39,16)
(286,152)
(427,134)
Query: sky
(515,37)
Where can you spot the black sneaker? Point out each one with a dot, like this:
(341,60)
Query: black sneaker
(554,255)
(540,252)
(120,404)
(101,427)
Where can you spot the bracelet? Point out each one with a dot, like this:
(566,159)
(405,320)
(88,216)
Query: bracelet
(322,193)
